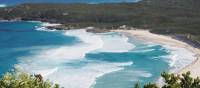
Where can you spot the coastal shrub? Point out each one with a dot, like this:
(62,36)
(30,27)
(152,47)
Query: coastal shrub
(150,85)
(23,80)
(175,81)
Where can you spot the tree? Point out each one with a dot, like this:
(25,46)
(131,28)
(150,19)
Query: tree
(150,85)
(176,81)
(171,80)
(188,82)
(23,80)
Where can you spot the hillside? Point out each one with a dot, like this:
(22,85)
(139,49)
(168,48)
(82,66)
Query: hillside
(177,17)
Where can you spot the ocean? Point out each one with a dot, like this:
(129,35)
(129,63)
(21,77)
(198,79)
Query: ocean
(15,2)
(78,59)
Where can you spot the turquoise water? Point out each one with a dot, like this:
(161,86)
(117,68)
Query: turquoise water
(146,66)
(77,59)
(17,37)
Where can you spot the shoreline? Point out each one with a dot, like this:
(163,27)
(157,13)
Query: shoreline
(145,35)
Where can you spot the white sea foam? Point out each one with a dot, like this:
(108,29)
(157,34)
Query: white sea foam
(135,75)
(143,51)
(45,29)
(4,21)
(69,76)
(143,74)
(2,5)
(85,77)
(41,28)
(89,43)
(139,73)
(33,21)
(179,58)
(52,63)
(46,24)
(115,43)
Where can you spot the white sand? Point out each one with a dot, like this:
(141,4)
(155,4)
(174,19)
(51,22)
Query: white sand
(145,35)
(46,24)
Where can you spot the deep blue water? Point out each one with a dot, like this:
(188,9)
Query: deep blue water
(58,56)
(13,2)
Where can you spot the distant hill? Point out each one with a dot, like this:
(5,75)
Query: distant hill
(180,17)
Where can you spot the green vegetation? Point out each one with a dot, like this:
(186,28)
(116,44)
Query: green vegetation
(174,17)
(22,80)
(175,81)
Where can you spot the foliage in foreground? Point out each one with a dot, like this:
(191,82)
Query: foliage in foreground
(175,81)
(22,80)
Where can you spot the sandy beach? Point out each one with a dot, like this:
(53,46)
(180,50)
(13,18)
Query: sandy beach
(145,35)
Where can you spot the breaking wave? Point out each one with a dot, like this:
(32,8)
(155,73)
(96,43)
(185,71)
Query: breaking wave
(53,63)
